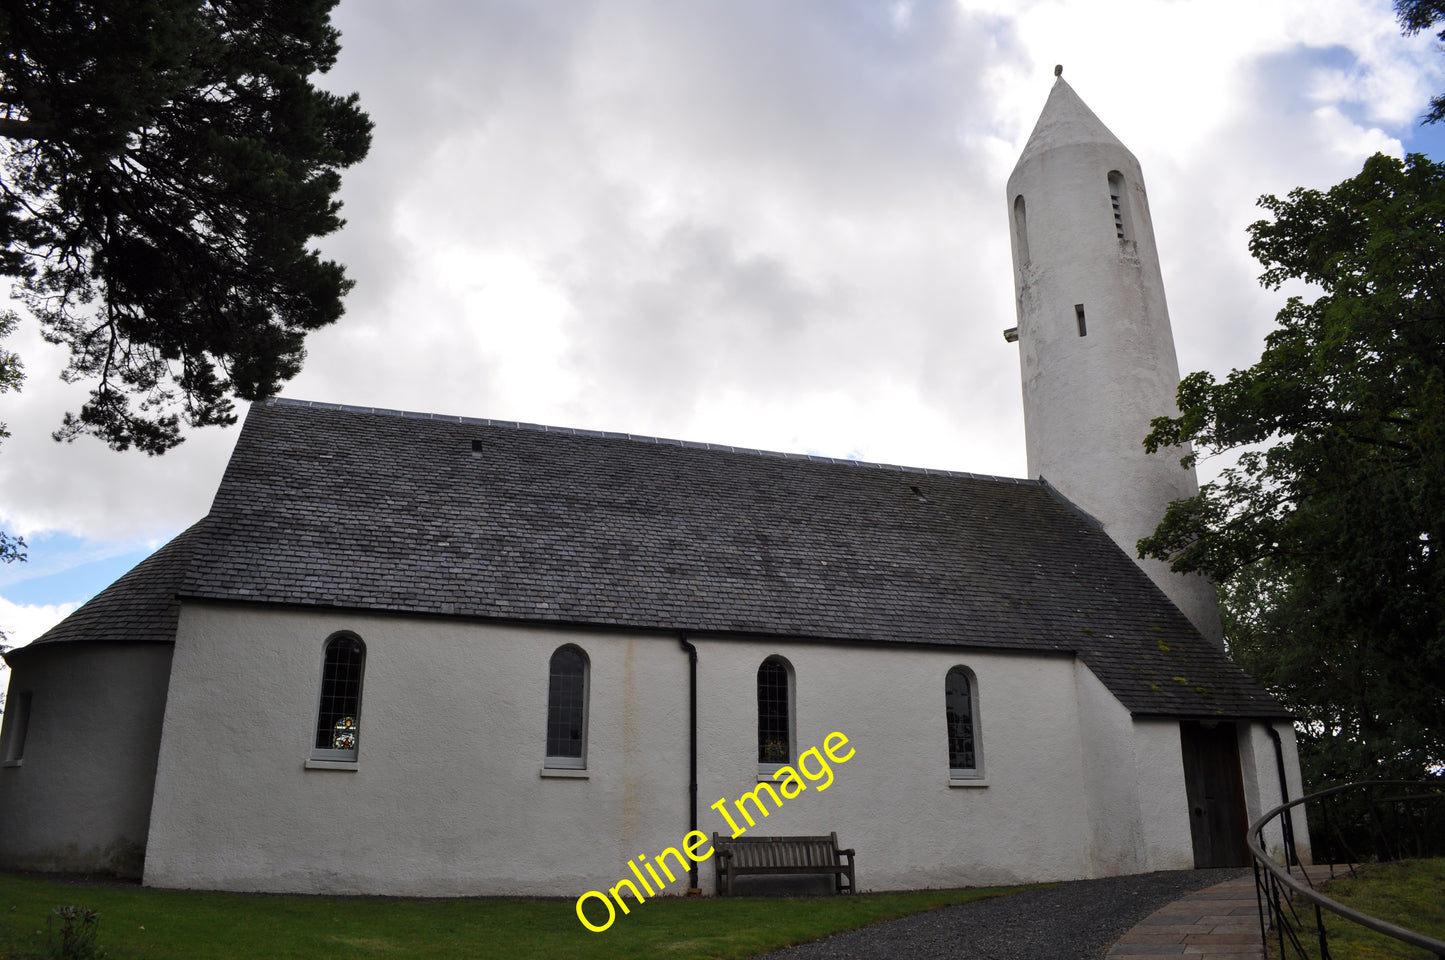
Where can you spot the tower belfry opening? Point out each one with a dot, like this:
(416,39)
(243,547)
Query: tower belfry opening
(1119,200)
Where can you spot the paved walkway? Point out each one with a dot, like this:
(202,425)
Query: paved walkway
(1068,921)
(1220,922)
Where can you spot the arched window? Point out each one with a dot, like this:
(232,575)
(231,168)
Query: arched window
(338,715)
(960,690)
(1021,229)
(567,709)
(16,725)
(1119,199)
(775,718)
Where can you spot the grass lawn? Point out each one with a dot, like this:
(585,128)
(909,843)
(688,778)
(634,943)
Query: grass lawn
(186,925)
(1410,893)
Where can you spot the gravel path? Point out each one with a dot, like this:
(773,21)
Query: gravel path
(1072,921)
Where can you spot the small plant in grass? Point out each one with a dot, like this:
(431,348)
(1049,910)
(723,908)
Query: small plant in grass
(73,933)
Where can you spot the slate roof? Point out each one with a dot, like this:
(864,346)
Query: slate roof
(376,510)
(141,607)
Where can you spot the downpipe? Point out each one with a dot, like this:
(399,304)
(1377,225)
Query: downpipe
(692,882)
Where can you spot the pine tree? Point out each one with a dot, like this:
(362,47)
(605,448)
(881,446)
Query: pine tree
(166,164)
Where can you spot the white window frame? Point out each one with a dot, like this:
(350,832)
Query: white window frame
(766,770)
(326,755)
(550,762)
(976,771)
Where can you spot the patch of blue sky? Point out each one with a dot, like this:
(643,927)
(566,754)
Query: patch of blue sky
(1340,81)
(1277,82)
(1428,139)
(67,569)
(1277,79)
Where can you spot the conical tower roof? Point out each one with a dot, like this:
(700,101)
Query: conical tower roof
(1066,121)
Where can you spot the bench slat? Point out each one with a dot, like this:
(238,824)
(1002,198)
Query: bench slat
(737,856)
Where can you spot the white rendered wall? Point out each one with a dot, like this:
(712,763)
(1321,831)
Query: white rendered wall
(1034,816)
(1164,803)
(447,798)
(1111,797)
(80,798)
(1088,400)
(1260,767)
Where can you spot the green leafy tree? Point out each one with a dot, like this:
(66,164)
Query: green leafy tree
(1326,534)
(166,164)
(1417,15)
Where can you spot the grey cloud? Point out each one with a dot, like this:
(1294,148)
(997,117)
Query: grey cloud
(776,199)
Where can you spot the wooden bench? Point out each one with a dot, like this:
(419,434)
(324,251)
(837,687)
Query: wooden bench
(736,856)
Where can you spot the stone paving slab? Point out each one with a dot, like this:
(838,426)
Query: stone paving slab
(1219,922)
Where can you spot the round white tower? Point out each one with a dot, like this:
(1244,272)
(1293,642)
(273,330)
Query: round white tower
(1093,331)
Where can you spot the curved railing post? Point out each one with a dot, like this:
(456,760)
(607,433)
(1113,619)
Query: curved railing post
(1276,887)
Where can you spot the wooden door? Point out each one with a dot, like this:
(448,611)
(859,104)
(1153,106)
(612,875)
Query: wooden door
(1217,821)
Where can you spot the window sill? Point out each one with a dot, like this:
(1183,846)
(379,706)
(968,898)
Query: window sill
(967,782)
(347,765)
(560,773)
(13,763)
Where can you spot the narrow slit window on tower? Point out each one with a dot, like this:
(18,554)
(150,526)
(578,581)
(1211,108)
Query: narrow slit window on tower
(1119,200)
(1021,229)
(1079,316)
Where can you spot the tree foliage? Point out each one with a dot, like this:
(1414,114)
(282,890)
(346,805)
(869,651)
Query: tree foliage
(167,164)
(12,373)
(1326,534)
(1417,15)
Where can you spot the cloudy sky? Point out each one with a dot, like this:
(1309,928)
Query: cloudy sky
(778,225)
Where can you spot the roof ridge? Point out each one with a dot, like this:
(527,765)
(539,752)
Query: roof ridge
(641,438)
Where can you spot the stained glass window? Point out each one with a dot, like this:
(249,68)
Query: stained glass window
(337,719)
(774,729)
(962,746)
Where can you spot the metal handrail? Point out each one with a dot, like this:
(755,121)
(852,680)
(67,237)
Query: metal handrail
(1281,876)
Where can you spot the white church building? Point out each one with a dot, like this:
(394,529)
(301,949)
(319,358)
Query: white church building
(416,654)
